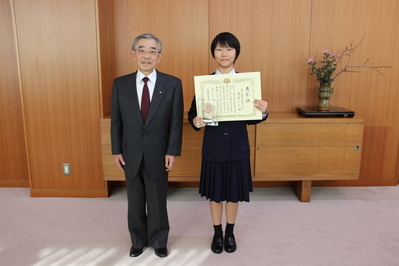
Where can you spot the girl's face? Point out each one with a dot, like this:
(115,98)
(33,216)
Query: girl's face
(225,56)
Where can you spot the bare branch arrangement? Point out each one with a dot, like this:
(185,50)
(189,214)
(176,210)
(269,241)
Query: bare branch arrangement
(326,72)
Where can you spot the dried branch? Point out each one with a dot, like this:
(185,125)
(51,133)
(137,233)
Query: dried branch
(331,61)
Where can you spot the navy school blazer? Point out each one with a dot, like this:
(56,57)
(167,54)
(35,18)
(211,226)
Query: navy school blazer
(226,142)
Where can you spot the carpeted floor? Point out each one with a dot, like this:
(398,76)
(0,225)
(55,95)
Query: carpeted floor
(340,226)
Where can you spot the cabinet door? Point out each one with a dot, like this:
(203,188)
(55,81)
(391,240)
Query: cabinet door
(308,149)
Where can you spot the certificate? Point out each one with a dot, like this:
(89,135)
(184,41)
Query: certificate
(228,97)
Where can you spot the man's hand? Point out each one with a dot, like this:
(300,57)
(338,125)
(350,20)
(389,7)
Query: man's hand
(119,161)
(169,162)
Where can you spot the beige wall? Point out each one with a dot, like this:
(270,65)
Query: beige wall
(62,56)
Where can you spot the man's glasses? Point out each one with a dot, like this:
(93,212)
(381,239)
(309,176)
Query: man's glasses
(150,52)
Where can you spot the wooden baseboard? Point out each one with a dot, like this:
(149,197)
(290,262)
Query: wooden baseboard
(356,183)
(70,193)
(14,183)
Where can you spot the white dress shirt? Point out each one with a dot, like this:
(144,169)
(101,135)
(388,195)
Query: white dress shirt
(150,83)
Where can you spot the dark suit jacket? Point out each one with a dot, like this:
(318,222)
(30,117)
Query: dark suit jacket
(226,142)
(162,133)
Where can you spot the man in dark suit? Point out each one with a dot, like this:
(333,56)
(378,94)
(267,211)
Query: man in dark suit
(146,137)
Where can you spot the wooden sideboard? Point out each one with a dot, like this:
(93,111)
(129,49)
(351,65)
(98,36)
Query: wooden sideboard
(287,147)
(290,147)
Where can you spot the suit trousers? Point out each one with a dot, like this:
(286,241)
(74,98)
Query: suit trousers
(147,211)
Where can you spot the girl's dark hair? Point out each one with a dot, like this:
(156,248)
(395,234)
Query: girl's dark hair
(226,39)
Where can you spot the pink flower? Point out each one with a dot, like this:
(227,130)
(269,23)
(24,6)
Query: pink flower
(326,51)
(333,55)
(310,60)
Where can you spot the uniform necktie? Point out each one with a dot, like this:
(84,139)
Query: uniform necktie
(145,100)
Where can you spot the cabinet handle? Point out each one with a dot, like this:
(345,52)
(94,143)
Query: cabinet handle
(356,148)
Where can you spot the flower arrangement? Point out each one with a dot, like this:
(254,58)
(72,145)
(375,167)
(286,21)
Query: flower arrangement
(325,70)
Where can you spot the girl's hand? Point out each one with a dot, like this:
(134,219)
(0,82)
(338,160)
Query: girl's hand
(261,105)
(198,122)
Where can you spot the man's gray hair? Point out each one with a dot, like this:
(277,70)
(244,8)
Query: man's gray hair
(147,36)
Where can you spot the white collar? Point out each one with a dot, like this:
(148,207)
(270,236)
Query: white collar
(152,77)
(233,71)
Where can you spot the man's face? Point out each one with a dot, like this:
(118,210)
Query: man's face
(146,55)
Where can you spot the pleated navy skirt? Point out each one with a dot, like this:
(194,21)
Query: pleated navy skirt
(226,181)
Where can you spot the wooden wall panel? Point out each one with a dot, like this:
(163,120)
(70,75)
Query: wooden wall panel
(13,161)
(274,36)
(106,48)
(63,45)
(60,83)
(372,96)
(181,25)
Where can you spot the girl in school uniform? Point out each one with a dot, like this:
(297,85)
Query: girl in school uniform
(226,176)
